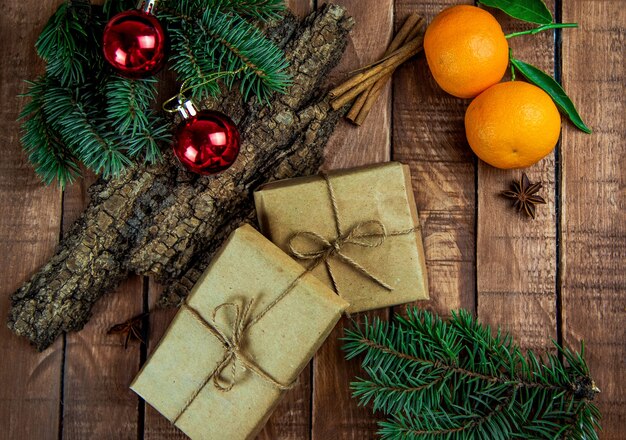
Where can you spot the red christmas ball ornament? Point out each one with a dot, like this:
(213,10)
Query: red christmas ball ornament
(135,43)
(206,142)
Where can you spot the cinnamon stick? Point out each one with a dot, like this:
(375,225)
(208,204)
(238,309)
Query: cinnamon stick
(367,99)
(349,90)
(409,30)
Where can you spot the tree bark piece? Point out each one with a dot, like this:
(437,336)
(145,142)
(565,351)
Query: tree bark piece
(163,221)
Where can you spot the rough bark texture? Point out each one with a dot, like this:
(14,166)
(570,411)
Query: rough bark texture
(165,222)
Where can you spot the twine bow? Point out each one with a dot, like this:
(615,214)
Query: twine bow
(233,349)
(367,234)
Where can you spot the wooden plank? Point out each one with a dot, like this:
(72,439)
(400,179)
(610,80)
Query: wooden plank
(428,135)
(516,256)
(593,221)
(335,414)
(29,231)
(97,402)
(351,146)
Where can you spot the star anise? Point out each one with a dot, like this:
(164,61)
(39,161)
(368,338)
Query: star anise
(524,192)
(131,329)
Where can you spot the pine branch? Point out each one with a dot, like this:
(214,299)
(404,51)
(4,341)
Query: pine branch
(85,132)
(129,103)
(457,379)
(68,44)
(264,63)
(43,144)
(217,42)
(191,62)
(147,142)
(259,9)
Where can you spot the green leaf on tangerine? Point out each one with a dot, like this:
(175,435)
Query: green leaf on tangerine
(532,11)
(552,88)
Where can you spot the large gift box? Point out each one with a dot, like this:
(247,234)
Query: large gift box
(250,325)
(357,230)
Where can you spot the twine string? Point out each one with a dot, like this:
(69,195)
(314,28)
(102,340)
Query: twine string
(310,245)
(233,350)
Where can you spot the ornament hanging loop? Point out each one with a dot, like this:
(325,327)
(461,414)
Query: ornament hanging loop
(186,105)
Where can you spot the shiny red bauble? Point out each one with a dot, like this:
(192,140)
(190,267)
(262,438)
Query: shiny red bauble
(135,44)
(207,143)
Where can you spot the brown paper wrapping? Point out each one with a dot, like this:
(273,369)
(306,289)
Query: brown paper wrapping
(380,192)
(281,343)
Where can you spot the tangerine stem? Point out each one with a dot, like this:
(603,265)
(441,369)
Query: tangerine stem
(545,27)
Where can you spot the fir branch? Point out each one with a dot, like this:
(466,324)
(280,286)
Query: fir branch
(191,62)
(259,9)
(51,159)
(129,103)
(217,42)
(457,379)
(84,132)
(147,143)
(67,43)
(264,63)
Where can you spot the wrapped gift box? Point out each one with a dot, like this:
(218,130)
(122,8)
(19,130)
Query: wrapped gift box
(254,309)
(366,244)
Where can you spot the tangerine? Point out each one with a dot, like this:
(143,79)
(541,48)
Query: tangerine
(466,50)
(512,124)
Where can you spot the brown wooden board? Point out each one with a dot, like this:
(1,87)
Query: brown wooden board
(428,135)
(97,369)
(593,220)
(335,414)
(516,256)
(29,230)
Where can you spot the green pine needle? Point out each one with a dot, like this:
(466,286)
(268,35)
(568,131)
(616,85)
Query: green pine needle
(459,380)
(42,143)
(259,9)
(129,103)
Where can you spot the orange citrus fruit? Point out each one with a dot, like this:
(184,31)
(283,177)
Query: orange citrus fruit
(512,125)
(466,50)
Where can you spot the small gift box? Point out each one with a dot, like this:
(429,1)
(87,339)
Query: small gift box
(357,230)
(250,325)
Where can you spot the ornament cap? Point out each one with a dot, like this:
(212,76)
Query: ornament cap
(147,6)
(187,108)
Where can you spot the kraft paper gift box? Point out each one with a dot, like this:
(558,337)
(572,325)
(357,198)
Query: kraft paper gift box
(357,230)
(250,325)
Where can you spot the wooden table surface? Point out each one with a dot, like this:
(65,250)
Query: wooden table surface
(561,277)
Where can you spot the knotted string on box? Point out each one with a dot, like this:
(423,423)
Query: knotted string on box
(233,350)
(367,234)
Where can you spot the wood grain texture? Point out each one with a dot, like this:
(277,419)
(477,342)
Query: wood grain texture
(335,414)
(593,220)
(97,402)
(516,256)
(29,231)
(350,146)
(429,136)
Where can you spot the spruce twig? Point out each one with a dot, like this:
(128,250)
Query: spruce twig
(457,380)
